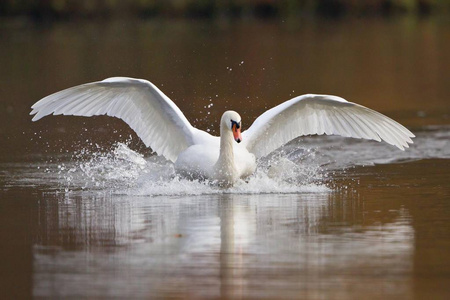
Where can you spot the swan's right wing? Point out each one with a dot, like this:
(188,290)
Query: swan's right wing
(151,114)
(321,114)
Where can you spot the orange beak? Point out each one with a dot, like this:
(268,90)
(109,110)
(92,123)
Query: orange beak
(237,133)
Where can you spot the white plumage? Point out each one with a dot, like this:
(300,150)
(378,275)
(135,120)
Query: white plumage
(163,127)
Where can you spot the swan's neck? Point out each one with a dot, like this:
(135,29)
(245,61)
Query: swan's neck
(225,169)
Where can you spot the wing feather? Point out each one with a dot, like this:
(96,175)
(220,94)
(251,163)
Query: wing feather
(366,133)
(151,114)
(321,114)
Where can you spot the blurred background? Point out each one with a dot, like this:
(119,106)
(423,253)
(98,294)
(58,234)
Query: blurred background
(45,9)
(384,234)
(208,56)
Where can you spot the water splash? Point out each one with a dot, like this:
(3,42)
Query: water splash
(124,171)
(303,166)
(102,169)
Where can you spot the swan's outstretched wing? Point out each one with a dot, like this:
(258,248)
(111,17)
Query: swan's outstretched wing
(151,114)
(321,114)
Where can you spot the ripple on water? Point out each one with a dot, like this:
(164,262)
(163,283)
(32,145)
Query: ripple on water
(128,172)
(302,166)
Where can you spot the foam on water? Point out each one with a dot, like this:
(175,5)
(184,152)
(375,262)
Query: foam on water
(302,166)
(125,171)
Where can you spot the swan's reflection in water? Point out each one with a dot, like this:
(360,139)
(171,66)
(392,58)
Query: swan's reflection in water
(232,246)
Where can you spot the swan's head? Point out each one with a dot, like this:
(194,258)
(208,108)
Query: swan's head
(231,120)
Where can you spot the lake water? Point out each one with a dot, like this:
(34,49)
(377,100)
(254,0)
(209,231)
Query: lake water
(87,211)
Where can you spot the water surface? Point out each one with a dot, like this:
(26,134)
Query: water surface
(87,211)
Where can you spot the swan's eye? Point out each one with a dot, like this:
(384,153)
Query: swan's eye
(238,124)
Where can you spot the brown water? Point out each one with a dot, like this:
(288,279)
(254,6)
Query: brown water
(81,216)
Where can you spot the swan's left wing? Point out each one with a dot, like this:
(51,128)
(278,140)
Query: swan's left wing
(152,115)
(321,114)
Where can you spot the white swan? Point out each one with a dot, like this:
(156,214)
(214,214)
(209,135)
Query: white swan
(163,127)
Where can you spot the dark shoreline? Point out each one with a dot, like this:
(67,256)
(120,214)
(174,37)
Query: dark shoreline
(44,11)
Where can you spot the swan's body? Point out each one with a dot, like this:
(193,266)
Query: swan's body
(163,127)
(221,159)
